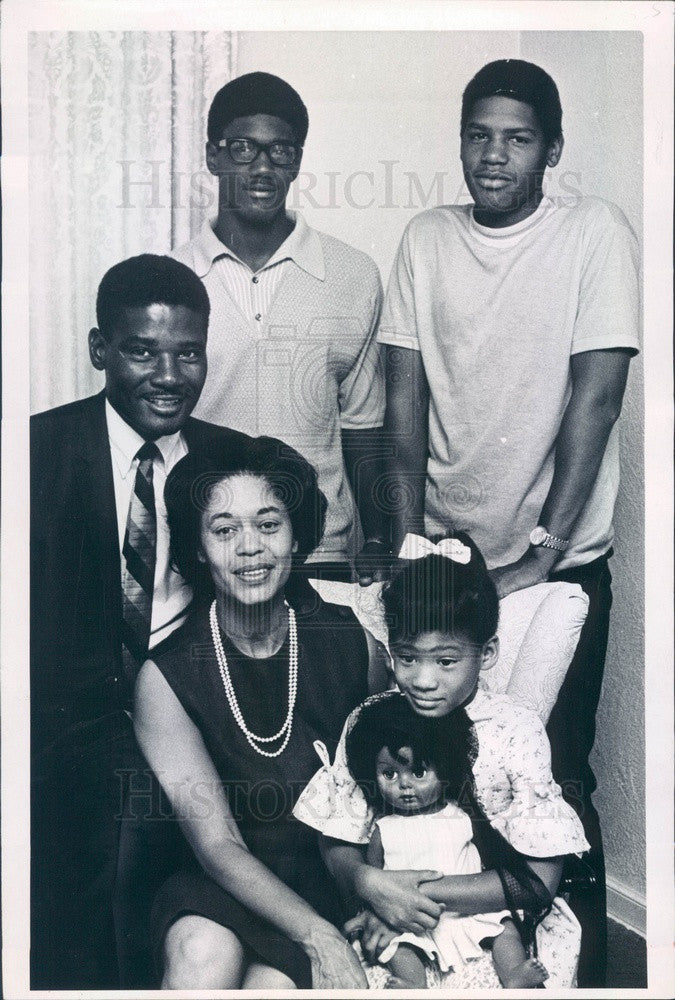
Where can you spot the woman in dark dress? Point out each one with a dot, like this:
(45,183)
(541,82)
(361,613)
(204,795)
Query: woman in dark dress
(227,713)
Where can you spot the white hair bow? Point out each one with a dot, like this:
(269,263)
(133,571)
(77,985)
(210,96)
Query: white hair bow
(417,547)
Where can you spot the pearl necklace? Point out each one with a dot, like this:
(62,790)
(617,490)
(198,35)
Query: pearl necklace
(285,731)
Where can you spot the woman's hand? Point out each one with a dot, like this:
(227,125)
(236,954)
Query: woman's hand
(396,898)
(372,932)
(162,724)
(335,965)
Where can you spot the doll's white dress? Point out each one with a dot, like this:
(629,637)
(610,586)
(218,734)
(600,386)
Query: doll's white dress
(439,841)
(514,785)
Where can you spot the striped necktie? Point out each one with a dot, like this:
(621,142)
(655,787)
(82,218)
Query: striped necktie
(139,554)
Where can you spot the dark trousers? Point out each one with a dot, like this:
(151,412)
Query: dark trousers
(151,848)
(101,845)
(75,808)
(571,731)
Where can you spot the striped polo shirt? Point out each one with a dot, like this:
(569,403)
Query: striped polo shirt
(292,353)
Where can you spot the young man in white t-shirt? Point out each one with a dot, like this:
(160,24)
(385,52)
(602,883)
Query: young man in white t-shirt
(509,327)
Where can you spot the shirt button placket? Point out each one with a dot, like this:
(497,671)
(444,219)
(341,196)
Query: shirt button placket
(258,316)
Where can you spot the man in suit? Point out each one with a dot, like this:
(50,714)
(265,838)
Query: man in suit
(102,593)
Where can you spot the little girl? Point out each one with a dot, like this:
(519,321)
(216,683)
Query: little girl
(441,611)
(396,759)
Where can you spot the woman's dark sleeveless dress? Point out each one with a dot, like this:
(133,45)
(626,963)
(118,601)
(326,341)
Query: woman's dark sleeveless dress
(332,680)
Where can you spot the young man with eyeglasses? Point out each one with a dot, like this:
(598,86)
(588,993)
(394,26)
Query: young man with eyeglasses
(292,351)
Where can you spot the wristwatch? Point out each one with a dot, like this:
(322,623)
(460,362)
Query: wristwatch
(540,536)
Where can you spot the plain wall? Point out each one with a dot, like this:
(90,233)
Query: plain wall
(395,97)
(383,141)
(605,145)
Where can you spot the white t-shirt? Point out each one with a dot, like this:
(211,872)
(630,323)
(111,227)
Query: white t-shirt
(497,314)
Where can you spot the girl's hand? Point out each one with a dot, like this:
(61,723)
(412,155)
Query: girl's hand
(396,898)
(373,933)
(333,960)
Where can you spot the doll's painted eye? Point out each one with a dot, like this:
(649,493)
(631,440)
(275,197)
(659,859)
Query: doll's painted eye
(388,775)
(420,772)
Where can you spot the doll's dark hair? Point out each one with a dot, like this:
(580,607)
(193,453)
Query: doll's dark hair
(437,594)
(387,722)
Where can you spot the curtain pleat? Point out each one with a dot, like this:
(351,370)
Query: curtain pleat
(117,125)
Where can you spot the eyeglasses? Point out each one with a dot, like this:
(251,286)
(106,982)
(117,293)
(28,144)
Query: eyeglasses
(281,154)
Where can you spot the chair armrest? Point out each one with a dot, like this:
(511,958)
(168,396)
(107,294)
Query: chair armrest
(538,632)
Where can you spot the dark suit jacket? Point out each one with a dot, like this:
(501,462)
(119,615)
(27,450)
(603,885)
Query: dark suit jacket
(76,599)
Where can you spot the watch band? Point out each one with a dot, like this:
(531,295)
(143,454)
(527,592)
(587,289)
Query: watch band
(539,536)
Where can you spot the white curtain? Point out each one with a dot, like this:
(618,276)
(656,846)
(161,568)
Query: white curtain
(117,125)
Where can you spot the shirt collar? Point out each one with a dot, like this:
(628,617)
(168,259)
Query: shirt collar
(302,246)
(480,708)
(510,234)
(125,442)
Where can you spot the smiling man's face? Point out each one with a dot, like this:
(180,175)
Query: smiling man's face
(155,366)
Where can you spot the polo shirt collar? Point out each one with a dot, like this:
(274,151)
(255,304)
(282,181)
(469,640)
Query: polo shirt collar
(208,248)
(302,246)
(125,442)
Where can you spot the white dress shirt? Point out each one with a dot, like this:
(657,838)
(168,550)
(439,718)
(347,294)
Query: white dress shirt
(171,594)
